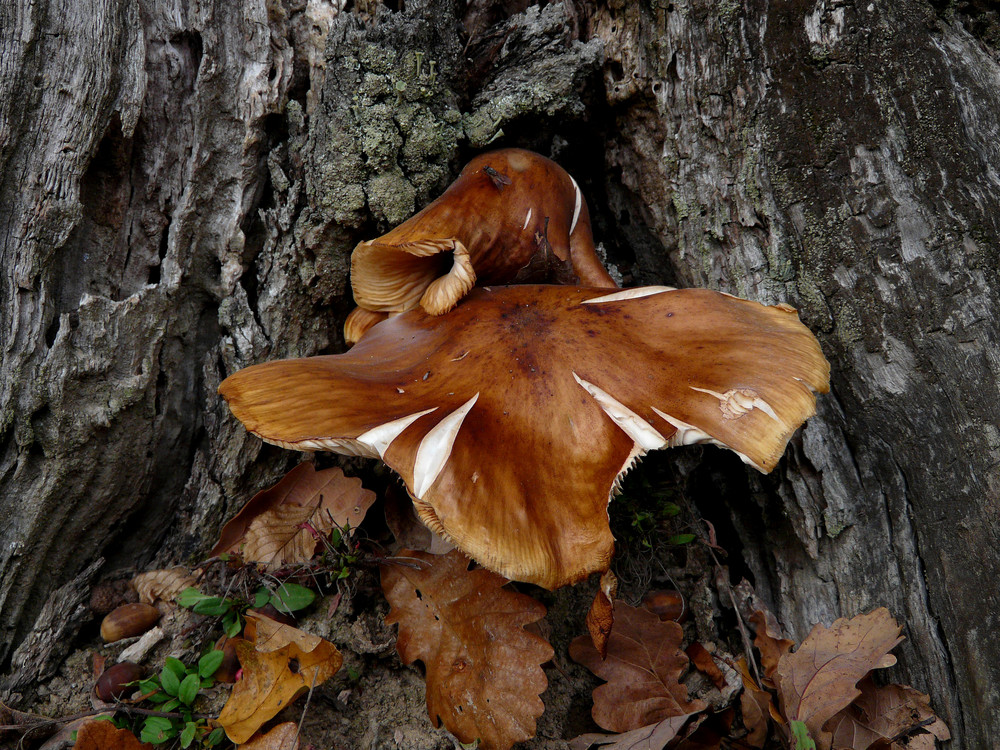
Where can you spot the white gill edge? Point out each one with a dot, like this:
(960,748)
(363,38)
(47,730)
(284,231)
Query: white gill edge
(379,438)
(527,219)
(435,448)
(637,428)
(739,402)
(634,293)
(343,446)
(688,434)
(576,208)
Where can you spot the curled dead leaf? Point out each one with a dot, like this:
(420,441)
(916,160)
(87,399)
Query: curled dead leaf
(278,662)
(280,525)
(769,642)
(704,662)
(163,585)
(653,737)
(642,669)
(756,704)
(884,714)
(483,668)
(601,616)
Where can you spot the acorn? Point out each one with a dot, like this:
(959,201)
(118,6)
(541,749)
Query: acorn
(114,682)
(128,620)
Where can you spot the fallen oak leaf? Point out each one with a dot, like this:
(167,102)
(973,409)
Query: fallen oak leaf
(882,715)
(103,735)
(652,737)
(284,736)
(820,678)
(483,668)
(278,662)
(642,671)
(270,527)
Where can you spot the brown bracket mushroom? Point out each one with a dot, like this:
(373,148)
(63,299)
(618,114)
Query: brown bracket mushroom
(512,418)
(512,216)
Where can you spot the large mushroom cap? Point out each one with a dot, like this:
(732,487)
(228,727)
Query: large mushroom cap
(511,216)
(511,418)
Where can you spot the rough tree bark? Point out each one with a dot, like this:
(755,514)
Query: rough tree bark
(180,188)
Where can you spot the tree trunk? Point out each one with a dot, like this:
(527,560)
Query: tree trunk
(181,186)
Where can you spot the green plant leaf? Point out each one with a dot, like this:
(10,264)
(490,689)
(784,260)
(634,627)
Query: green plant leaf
(176,666)
(670,509)
(262,597)
(800,733)
(170,681)
(188,690)
(679,539)
(187,735)
(210,662)
(148,686)
(218,735)
(170,705)
(213,606)
(290,597)
(157,730)
(189,597)
(232,624)
(207,683)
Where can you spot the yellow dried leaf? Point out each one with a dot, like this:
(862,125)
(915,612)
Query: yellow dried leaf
(278,662)
(285,736)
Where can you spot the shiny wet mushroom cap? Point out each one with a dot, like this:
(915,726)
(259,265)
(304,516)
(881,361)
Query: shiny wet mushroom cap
(512,418)
(512,216)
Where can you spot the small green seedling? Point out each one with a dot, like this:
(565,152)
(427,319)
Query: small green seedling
(175,690)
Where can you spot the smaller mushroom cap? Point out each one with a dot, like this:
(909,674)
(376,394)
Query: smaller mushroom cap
(512,216)
(511,419)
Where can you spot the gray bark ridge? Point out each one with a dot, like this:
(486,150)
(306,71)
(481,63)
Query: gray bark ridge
(843,156)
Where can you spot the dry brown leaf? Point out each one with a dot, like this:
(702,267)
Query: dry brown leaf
(269,528)
(667,604)
(642,670)
(278,662)
(704,662)
(483,668)
(820,678)
(756,704)
(165,585)
(769,641)
(284,736)
(601,615)
(654,737)
(884,713)
(103,735)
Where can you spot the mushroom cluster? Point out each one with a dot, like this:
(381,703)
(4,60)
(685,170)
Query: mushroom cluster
(512,418)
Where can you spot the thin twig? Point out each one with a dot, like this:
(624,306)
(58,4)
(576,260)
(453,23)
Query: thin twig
(305,708)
